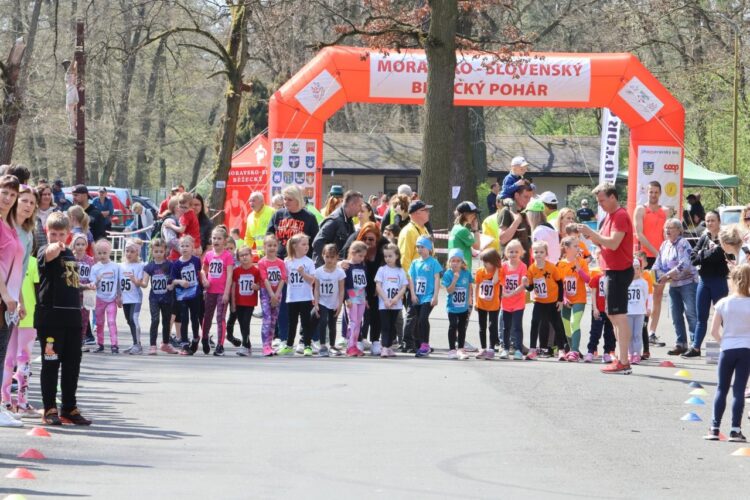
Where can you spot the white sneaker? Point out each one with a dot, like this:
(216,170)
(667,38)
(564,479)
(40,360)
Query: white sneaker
(503,354)
(315,347)
(257,313)
(6,419)
(8,408)
(342,343)
(376,348)
(461,354)
(300,348)
(470,348)
(366,345)
(276,344)
(452,354)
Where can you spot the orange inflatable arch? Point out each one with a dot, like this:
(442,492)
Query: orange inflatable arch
(338,75)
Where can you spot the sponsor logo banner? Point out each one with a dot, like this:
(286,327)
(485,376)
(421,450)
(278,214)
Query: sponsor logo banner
(662,164)
(640,98)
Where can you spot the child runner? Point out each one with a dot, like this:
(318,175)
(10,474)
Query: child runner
(574,272)
(639,305)
(599,320)
(188,295)
(79,244)
(488,301)
(106,275)
(354,295)
(732,313)
(273,276)
(131,293)
(328,298)
(457,282)
(58,324)
(544,280)
(79,224)
(424,286)
(246,283)
(390,284)
(513,301)
(216,276)
(647,275)
(299,294)
(159,271)
(232,319)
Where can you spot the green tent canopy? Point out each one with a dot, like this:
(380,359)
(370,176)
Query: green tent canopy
(697,176)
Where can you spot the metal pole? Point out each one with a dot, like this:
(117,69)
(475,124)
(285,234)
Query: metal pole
(80,60)
(735,104)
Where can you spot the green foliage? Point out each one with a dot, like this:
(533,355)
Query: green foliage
(584,192)
(483,190)
(254,113)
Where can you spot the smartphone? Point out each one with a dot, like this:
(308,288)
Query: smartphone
(730,257)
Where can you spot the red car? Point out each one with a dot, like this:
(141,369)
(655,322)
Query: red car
(122,215)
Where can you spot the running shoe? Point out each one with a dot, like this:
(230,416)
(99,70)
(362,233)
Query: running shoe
(470,348)
(376,348)
(300,348)
(258,313)
(335,351)
(384,352)
(531,355)
(617,367)
(677,350)
(6,420)
(219,351)
(545,353)
(573,356)
(588,358)
(423,351)
(646,355)
(175,342)
(136,349)
(115,349)
(286,350)
(692,353)
(365,345)
(307,351)
(452,354)
(713,434)
(233,340)
(127,351)
(323,351)
(461,354)
(206,343)
(27,411)
(276,343)
(655,341)
(561,356)
(242,351)
(636,359)
(90,341)
(503,354)
(99,349)
(11,410)
(606,358)
(268,351)
(168,349)
(736,437)
(51,417)
(315,347)
(518,355)
(354,352)
(152,350)
(185,351)
(74,417)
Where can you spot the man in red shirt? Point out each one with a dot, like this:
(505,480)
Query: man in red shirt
(615,238)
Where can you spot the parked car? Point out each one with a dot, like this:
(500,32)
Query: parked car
(122,214)
(730,215)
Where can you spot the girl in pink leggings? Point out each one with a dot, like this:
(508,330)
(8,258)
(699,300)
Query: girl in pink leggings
(273,277)
(354,294)
(19,347)
(106,275)
(216,275)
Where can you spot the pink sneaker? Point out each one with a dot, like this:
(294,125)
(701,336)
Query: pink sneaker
(588,358)
(268,350)
(168,349)
(635,359)
(384,352)
(572,357)
(152,350)
(353,352)
(606,358)
(531,355)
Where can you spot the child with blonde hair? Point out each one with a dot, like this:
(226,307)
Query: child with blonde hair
(574,272)
(273,276)
(457,281)
(299,294)
(545,282)
(105,274)
(355,295)
(513,302)
(131,291)
(216,275)
(188,295)
(488,301)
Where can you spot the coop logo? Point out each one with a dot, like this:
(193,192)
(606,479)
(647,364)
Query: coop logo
(648,167)
(294,161)
(672,167)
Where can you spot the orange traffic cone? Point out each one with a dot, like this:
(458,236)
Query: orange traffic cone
(33,454)
(666,364)
(38,432)
(20,473)
(742,452)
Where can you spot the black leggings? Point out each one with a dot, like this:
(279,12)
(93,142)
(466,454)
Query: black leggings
(419,320)
(132,312)
(542,317)
(190,310)
(371,323)
(165,310)
(388,320)
(457,324)
(244,315)
(299,311)
(494,339)
(231,320)
(327,322)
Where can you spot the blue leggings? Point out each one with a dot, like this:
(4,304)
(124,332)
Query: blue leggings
(737,362)
(710,291)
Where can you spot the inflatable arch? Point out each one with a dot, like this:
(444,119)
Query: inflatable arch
(338,75)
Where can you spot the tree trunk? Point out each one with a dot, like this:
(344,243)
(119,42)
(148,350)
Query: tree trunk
(41,157)
(10,107)
(201,156)
(437,140)
(462,168)
(141,160)
(237,49)
(161,138)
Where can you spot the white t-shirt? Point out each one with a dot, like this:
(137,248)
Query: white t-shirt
(638,297)
(391,280)
(131,294)
(329,286)
(551,236)
(297,289)
(107,279)
(735,317)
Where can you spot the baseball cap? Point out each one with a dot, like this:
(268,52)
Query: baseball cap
(102,189)
(425,241)
(456,253)
(418,205)
(548,197)
(535,205)
(467,207)
(80,189)
(518,161)
(336,190)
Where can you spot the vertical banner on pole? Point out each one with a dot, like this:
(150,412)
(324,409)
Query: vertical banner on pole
(609,155)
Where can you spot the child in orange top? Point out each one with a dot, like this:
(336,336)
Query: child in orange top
(487,302)
(647,275)
(514,280)
(575,276)
(544,280)
(572,230)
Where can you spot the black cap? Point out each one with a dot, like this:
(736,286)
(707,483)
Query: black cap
(58,183)
(467,207)
(80,189)
(418,205)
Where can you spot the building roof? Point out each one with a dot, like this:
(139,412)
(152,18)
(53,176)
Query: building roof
(363,154)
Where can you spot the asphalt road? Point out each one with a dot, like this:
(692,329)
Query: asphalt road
(216,428)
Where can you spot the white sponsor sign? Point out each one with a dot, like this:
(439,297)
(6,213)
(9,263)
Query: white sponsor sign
(483,78)
(640,98)
(662,164)
(318,91)
(609,154)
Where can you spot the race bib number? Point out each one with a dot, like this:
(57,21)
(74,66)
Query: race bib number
(188,274)
(84,271)
(511,283)
(540,288)
(485,289)
(358,278)
(246,283)
(274,275)
(634,294)
(215,269)
(326,288)
(458,297)
(159,284)
(107,286)
(571,286)
(295,279)
(391,292)
(420,286)
(602,286)
(125,284)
